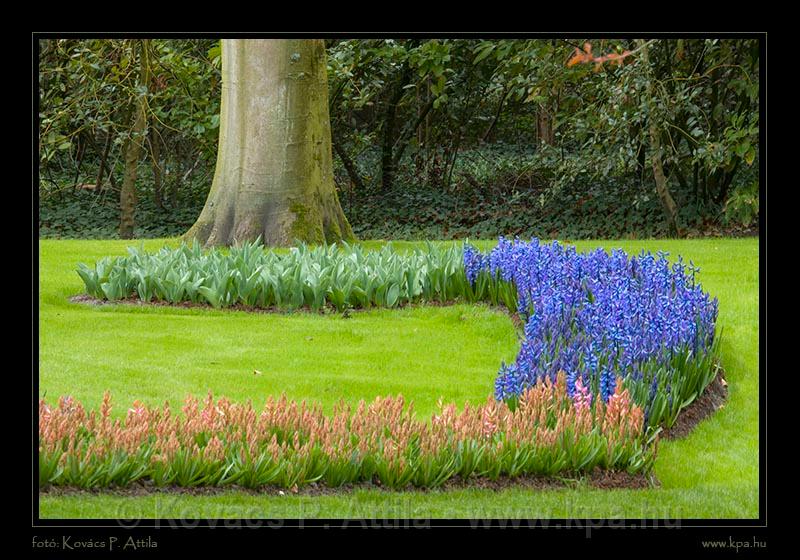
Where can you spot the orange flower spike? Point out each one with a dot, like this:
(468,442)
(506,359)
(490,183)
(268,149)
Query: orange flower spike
(209,402)
(65,403)
(189,408)
(44,409)
(561,383)
(105,407)
(273,448)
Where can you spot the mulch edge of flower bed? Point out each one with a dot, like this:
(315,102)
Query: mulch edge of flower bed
(86,299)
(598,479)
(712,399)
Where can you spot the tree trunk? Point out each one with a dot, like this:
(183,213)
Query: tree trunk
(387,154)
(274,171)
(80,152)
(101,172)
(349,166)
(155,160)
(133,149)
(662,187)
(544,125)
(426,139)
(401,144)
(485,135)
(176,181)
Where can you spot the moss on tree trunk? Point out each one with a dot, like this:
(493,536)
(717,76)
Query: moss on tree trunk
(274,172)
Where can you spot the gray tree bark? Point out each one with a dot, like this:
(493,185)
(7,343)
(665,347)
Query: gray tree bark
(274,171)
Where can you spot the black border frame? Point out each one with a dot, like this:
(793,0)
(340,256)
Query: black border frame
(566,527)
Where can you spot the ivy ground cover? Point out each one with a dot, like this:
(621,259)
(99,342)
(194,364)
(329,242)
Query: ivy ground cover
(159,315)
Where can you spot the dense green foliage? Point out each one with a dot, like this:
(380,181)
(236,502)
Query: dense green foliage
(86,215)
(432,138)
(340,277)
(87,91)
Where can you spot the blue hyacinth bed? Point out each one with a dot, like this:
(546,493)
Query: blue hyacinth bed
(600,317)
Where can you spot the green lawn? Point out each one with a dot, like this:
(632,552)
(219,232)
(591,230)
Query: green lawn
(157,354)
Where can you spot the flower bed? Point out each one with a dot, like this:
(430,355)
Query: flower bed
(291,445)
(614,347)
(341,277)
(601,317)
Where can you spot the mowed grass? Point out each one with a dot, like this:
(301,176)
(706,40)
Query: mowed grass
(160,353)
(165,353)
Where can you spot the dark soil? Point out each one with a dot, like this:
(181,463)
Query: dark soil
(711,400)
(597,479)
(86,299)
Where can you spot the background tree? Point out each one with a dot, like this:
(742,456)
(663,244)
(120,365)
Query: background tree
(274,173)
(445,138)
(134,144)
(89,94)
